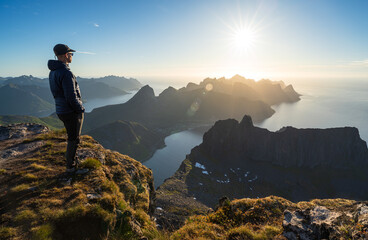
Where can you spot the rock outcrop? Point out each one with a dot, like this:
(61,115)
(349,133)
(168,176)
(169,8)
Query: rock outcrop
(319,222)
(21,130)
(111,196)
(278,219)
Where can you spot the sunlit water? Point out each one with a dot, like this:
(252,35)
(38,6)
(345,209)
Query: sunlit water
(324,104)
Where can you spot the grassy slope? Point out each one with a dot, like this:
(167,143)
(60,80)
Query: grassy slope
(35,201)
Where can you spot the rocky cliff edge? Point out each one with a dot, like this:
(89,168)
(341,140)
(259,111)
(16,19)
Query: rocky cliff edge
(111,197)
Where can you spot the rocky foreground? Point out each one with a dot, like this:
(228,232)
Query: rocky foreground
(112,196)
(277,218)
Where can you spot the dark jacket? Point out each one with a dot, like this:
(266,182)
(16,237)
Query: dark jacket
(64,88)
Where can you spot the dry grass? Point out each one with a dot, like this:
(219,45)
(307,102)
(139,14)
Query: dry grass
(25,216)
(7,232)
(36,166)
(30,177)
(20,187)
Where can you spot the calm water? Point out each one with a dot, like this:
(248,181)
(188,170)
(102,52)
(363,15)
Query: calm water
(324,104)
(166,161)
(100,102)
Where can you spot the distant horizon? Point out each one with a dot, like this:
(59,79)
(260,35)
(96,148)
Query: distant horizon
(198,79)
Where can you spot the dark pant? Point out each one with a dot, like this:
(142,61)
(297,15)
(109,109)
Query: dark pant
(73,123)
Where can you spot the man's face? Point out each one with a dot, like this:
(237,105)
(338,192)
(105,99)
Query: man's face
(69,57)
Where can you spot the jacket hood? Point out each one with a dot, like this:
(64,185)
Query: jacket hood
(56,64)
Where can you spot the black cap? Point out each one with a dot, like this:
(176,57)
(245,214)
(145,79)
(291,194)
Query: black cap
(61,49)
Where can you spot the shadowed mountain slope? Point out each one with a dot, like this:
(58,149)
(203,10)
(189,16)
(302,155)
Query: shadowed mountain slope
(130,138)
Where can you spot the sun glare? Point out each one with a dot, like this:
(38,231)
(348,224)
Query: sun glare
(243,40)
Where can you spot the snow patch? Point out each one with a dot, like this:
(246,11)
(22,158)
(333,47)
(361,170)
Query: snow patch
(198,165)
(255,178)
(205,172)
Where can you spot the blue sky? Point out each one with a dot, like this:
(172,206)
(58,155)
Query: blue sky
(188,39)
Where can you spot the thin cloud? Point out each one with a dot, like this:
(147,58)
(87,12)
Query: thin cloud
(360,63)
(96,25)
(89,53)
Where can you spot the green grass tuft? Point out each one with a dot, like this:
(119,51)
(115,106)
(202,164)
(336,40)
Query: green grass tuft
(91,163)
(43,232)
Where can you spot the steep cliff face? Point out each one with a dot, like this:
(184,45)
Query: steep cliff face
(110,197)
(239,160)
(289,147)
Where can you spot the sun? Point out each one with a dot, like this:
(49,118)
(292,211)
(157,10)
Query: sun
(243,40)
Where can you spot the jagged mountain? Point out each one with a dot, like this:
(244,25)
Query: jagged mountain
(122,83)
(174,108)
(240,160)
(25,80)
(130,138)
(270,92)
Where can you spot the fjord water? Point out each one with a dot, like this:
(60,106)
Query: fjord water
(166,161)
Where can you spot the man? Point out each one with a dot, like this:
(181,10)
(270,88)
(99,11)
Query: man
(69,108)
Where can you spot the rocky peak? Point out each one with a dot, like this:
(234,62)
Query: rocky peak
(246,122)
(168,92)
(144,95)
